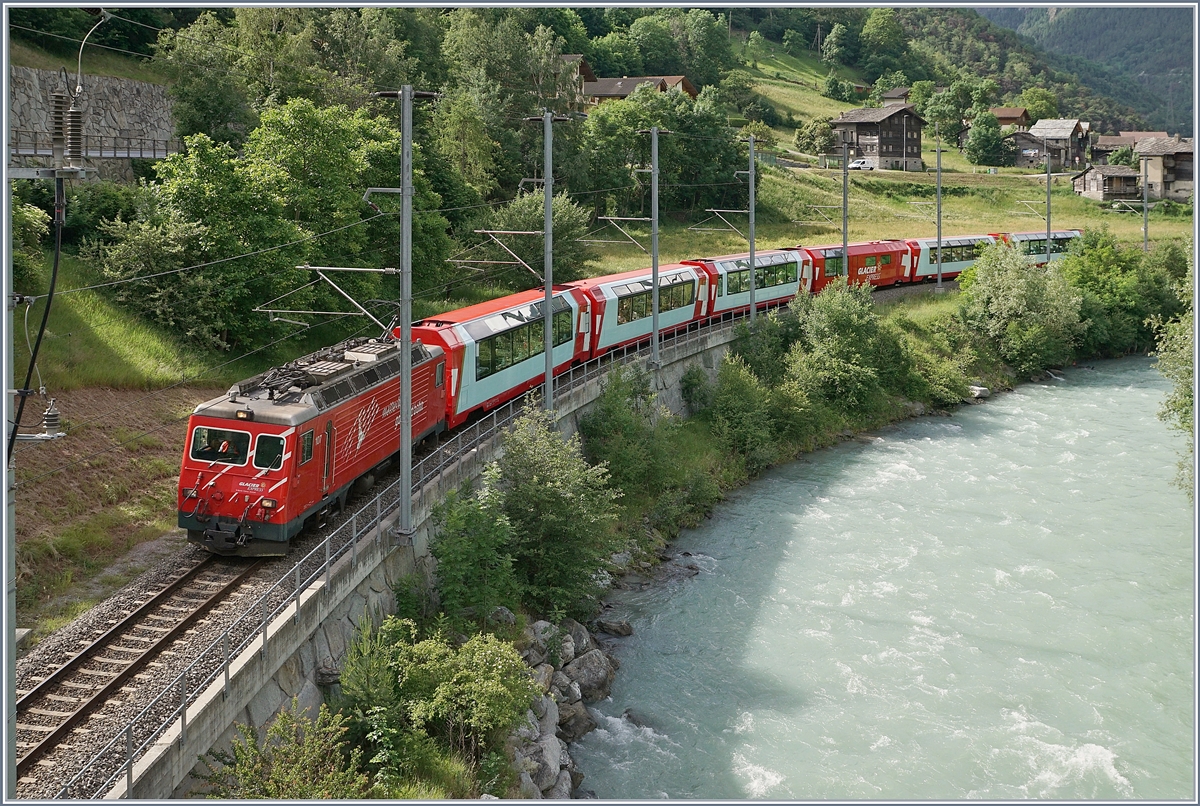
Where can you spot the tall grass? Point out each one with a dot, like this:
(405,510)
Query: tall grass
(97,61)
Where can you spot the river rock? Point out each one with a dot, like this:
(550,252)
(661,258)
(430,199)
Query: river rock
(529,728)
(550,760)
(502,615)
(565,689)
(543,675)
(562,787)
(547,710)
(574,721)
(594,674)
(529,790)
(980,392)
(567,649)
(579,634)
(614,626)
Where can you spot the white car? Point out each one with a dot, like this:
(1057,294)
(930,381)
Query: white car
(860,165)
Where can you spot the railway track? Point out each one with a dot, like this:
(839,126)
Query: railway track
(53,709)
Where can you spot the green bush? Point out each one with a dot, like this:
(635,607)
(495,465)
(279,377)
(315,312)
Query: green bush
(697,392)
(29,227)
(561,511)
(741,414)
(471,545)
(299,759)
(1031,312)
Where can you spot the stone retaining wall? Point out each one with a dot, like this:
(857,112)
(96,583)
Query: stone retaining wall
(112,107)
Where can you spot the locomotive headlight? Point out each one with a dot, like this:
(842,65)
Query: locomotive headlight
(245,414)
(190,492)
(268,503)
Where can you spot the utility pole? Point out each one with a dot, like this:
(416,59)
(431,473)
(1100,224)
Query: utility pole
(406,197)
(1046,146)
(846,204)
(405,95)
(1145,204)
(753,267)
(547,117)
(654,357)
(548,253)
(67,143)
(937,138)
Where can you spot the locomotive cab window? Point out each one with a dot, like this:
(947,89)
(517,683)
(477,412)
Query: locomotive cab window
(440,374)
(220,445)
(268,452)
(306,445)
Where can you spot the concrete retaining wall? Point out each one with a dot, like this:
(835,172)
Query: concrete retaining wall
(303,642)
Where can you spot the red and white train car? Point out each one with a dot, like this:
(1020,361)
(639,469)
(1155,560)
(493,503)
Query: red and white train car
(779,275)
(622,304)
(495,350)
(1033,244)
(880,263)
(288,444)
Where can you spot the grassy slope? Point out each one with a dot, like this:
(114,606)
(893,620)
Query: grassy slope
(99,62)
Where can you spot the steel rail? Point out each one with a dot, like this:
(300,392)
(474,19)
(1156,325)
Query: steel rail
(53,738)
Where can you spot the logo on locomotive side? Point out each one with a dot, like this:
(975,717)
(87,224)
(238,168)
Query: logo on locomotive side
(253,486)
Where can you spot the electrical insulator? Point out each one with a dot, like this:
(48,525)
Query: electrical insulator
(58,125)
(74,136)
(59,102)
(51,420)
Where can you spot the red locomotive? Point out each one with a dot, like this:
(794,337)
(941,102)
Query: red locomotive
(286,445)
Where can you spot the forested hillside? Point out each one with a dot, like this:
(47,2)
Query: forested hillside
(1140,56)
(284,129)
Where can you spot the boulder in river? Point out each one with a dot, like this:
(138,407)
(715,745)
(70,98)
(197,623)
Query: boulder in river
(594,674)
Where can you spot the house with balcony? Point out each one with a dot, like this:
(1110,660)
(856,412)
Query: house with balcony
(890,136)
(1168,168)
(1107,183)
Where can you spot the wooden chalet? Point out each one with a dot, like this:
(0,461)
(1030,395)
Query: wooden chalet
(890,136)
(1015,116)
(896,95)
(607,89)
(1106,182)
(1169,167)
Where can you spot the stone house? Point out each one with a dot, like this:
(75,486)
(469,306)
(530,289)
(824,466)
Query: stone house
(1169,173)
(1106,182)
(1106,144)
(1065,138)
(888,135)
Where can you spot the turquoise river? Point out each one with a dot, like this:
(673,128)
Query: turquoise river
(993,605)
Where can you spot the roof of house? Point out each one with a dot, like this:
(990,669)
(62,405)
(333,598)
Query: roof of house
(1009,111)
(585,69)
(1108,170)
(897,92)
(1055,128)
(873,114)
(624,86)
(1159,146)
(1142,135)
